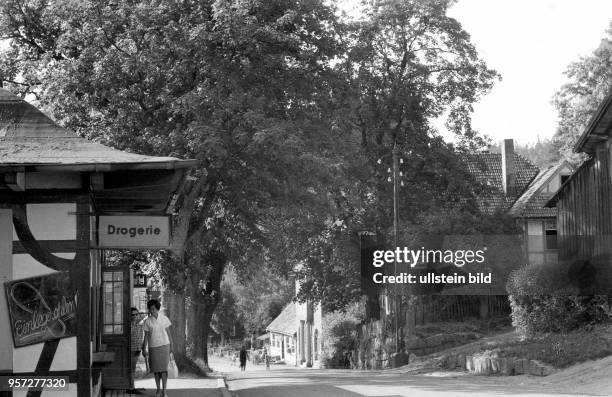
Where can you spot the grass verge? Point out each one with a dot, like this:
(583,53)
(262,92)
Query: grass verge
(559,349)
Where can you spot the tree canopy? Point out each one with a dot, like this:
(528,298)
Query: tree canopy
(287,107)
(590,80)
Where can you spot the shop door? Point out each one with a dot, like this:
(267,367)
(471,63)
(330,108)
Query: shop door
(116,326)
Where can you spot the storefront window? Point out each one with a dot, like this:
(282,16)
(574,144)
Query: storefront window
(113,302)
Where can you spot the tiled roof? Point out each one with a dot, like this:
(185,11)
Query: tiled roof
(29,137)
(532,203)
(487,169)
(285,323)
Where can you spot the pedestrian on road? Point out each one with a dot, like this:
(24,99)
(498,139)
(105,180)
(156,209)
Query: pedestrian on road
(159,340)
(267,359)
(244,356)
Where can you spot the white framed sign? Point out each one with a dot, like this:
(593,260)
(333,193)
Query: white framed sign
(133,231)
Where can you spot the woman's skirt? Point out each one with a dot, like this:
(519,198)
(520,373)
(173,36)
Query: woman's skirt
(158,358)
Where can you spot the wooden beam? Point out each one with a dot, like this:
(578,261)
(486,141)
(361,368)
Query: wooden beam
(15,181)
(7,198)
(96,181)
(80,273)
(48,245)
(136,179)
(31,245)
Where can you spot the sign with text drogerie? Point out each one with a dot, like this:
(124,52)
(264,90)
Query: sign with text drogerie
(133,231)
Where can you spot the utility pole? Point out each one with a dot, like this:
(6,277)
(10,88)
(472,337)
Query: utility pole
(395,225)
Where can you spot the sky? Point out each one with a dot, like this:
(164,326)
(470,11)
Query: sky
(530,43)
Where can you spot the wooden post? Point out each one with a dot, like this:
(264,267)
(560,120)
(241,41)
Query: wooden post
(81,271)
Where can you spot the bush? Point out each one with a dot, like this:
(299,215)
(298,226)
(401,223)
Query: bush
(541,301)
(341,335)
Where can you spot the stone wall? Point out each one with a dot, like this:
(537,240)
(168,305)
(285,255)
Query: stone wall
(489,363)
(435,343)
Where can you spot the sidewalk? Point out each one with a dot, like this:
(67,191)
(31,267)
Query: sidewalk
(187,386)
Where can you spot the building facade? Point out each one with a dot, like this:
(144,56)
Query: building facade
(62,311)
(521,190)
(295,335)
(584,207)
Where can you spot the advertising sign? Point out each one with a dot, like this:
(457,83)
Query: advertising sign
(134,231)
(41,308)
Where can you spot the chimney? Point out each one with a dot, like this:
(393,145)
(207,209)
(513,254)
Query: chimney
(508,167)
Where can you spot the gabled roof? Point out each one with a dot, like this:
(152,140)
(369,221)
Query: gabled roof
(532,203)
(552,202)
(487,169)
(285,323)
(31,142)
(29,138)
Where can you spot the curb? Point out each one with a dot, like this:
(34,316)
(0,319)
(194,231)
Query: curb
(222,386)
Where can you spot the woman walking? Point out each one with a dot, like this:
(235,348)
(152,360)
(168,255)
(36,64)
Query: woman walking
(159,339)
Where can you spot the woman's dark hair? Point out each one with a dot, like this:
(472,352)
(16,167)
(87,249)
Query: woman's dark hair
(153,302)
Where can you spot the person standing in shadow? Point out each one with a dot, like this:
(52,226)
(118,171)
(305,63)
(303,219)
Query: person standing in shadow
(244,356)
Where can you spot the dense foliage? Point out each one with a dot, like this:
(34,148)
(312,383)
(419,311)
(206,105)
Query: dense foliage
(542,300)
(287,107)
(590,79)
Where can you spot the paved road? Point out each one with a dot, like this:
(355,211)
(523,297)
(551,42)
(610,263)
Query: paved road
(292,382)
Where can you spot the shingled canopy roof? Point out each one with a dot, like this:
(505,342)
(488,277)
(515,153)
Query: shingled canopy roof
(29,138)
(487,169)
(31,142)
(285,322)
(532,203)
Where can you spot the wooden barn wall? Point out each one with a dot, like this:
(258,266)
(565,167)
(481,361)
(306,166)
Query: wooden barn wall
(584,213)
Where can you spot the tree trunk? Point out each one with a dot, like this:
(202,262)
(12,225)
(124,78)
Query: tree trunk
(204,301)
(175,310)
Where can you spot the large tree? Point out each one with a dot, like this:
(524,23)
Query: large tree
(242,86)
(287,108)
(406,63)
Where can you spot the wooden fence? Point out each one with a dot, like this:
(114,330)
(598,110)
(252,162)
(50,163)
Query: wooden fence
(458,309)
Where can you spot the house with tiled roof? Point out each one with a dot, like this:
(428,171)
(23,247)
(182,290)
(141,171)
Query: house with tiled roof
(507,174)
(521,189)
(282,334)
(538,221)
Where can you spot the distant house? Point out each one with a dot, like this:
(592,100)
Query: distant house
(539,222)
(520,189)
(295,335)
(282,335)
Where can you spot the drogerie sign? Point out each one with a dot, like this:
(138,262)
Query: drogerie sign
(134,232)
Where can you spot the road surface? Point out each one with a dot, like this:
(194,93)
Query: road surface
(292,382)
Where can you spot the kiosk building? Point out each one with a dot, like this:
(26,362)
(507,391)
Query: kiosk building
(62,313)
